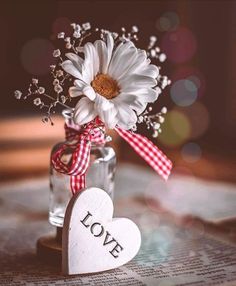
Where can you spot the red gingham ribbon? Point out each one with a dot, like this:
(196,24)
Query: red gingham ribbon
(81,143)
(148,151)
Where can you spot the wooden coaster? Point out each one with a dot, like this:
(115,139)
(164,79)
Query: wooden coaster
(49,248)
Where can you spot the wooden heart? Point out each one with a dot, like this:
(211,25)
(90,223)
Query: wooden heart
(92,241)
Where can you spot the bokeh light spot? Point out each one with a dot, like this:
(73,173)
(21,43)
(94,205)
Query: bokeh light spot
(36,56)
(195,80)
(176,129)
(193,74)
(184,92)
(191,152)
(179,45)
(199,119)
(149,221)
(169,21)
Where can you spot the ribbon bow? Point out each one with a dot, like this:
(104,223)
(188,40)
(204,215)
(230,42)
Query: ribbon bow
(81,140)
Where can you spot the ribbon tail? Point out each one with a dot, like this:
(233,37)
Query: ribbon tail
(148,151)
(77,183)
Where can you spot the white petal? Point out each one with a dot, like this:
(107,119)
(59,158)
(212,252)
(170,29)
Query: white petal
(126,116)
(132,101)
(139,62)
(90,66)
(141,94)
(89,92)
(74,91)
(79,84)
(139,106)
(123,57)
(139,81)
(76,60)
(69,67)
(106,111)
(107,56)
(150,70)
(147,95)
(84,111)
(102,53)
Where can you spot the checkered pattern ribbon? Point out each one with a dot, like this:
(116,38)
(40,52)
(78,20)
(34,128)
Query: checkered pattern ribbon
(81,140)
(148,151)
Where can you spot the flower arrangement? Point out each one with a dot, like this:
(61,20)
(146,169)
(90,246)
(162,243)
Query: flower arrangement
(113,83)
(110,78)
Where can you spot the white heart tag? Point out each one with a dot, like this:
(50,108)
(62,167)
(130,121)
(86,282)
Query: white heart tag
(92,241)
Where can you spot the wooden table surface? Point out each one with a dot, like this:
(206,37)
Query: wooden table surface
(166,244)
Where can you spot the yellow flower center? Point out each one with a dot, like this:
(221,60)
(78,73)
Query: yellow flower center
(105,86)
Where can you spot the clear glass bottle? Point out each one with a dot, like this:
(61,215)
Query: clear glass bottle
(100,174)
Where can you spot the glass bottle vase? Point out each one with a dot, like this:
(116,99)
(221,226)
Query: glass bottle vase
(100,174)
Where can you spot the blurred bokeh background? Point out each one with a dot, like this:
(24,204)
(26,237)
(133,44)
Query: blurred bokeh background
(199,39)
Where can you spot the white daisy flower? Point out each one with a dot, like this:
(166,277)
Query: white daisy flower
(118,82)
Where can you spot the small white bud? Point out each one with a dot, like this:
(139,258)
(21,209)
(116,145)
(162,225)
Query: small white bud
(135,29)
(134,128)
(158,90)
(35,81)
(67,39)
(17,94)
(161,119)
(55,82)
(155,134)
(164,110)
(63,99)
(156,125)
(76,34)
(41,90)
(59,73)
(153,39)
(61,35)
(37,101)
(115,35)
(108,138)
(86,26)
(78,28)
(56,53)
(68,45)
(164,83)
(153,53)
(140,119)
(58,88)
(162,57)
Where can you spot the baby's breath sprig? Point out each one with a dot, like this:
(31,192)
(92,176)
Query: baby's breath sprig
(38,92)
(153,121)
(122,36)
(74,42)
(129,35)
(154,51)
